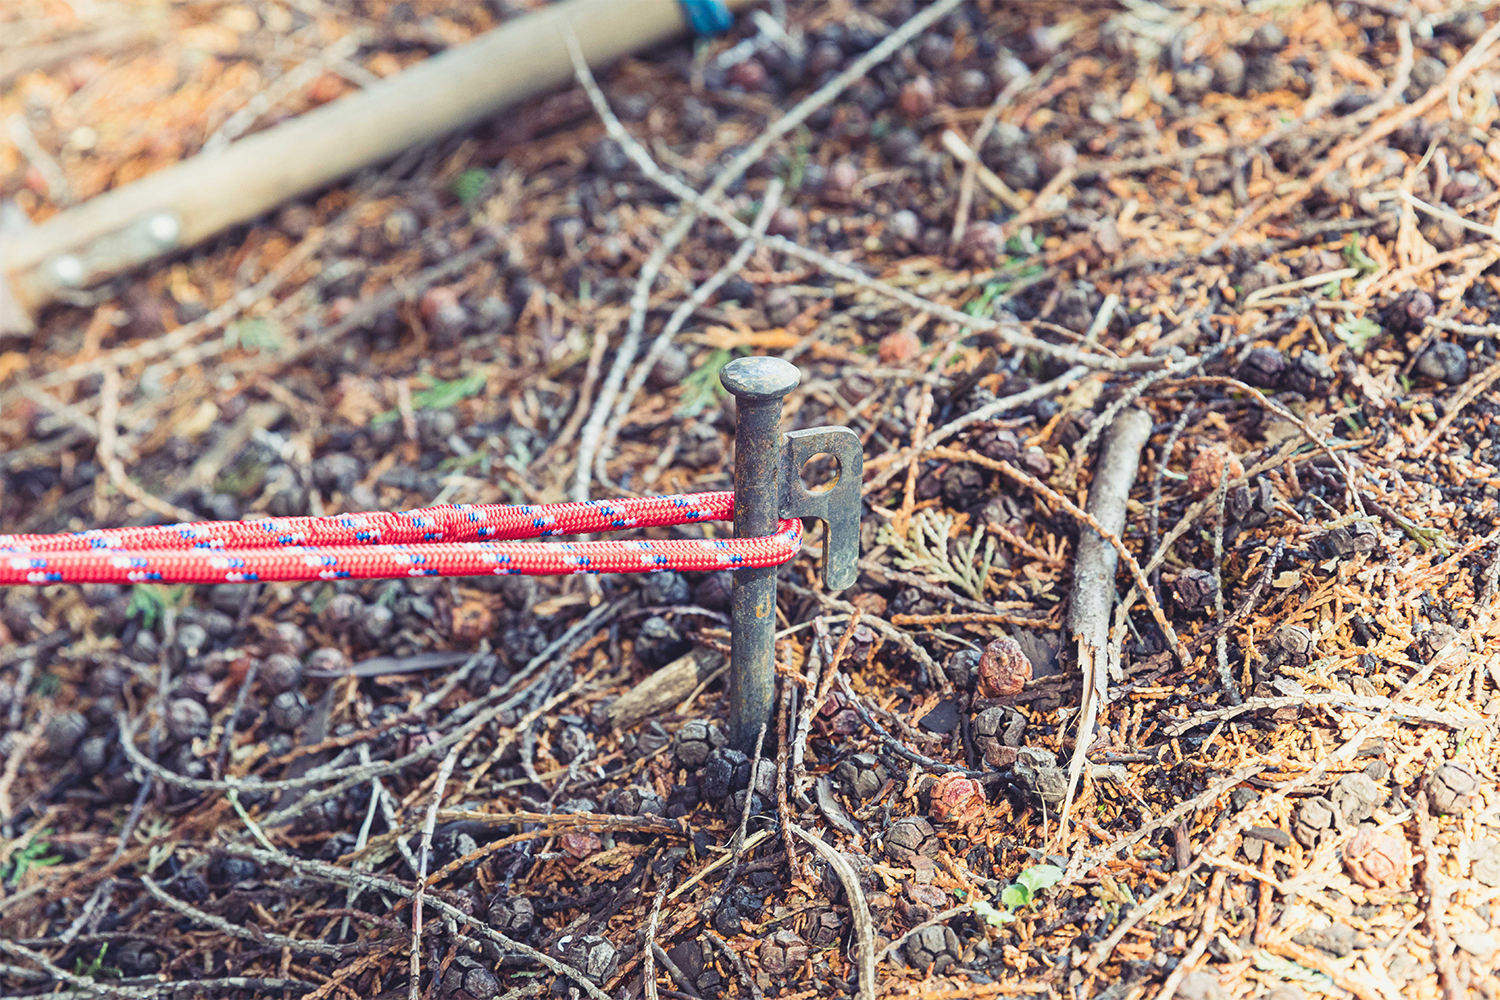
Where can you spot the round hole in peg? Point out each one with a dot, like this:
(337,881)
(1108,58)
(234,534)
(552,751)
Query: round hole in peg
(820,473)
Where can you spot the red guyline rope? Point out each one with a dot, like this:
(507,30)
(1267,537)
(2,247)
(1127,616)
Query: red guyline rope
(451,540)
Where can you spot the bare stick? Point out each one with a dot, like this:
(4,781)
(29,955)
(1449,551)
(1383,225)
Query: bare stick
(732,172)
(648,964)
(1437,900)
(345,876)
(987,412)
(864,925)
(1094,576)
(737,843)
(1221,646)
(679,317)
(1056,498)
(423,855)
(260,937)
(109,412)
(1066,353)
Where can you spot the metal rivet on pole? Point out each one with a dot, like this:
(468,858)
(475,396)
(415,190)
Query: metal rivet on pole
(758,385)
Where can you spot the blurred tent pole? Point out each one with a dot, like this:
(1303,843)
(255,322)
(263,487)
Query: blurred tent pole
(191,201)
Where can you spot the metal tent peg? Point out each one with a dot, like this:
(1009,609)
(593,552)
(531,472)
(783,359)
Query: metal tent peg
(767,487)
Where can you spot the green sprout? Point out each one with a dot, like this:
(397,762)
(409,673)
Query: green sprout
(33,855)
(701,387)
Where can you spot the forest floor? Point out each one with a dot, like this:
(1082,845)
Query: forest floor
(1272,227)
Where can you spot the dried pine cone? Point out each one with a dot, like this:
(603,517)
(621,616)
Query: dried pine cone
(957,799)
(1210,466)
(1450,789)
(1375,858)
(1003,669)
(1195,588)
(783,952)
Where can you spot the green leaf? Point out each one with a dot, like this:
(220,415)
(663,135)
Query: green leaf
(439,396)
(469,185)
(255,334)
(1285,969)
(987,912)
(1015,896)
(1358,333)
(1355,256)
(149,601)
(701,387)
(1040,877)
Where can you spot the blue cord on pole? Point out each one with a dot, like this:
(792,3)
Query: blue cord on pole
(707,17)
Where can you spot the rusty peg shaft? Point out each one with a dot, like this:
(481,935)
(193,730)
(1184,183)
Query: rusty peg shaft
(758,385)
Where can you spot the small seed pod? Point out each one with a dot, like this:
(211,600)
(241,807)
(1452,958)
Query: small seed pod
(783,952)
(92,754)
(1450,789)
(466,979)
(63,734)
(1444,362)
(1374,859)
(1194,589)
(136,957)
(1262,368)
(1314,819)
(725,772)
(1003,669)
(861,776)
(665,589)
(646,743)
(957,799)
(340,613)
(590,954)
(187,719)
(694,742)
(933,948)
(1355,797)
(990,732)
(327,659)
(1291,644)
(824,928)
(1409,311)
(288,710)
(910,838)
(1210,466)
(513,916)
(715,590)
(281,672)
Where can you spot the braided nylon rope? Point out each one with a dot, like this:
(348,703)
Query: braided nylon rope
(451,540)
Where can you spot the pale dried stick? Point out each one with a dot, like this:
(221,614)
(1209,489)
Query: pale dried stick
(828,265)
(347,877)
(986,412)
(864,924)
(1093,592)
(1207,930)
(648,962)
(679,317)
(1078,513)
(109,412)
(732,172)
(311,946)
(423,855)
